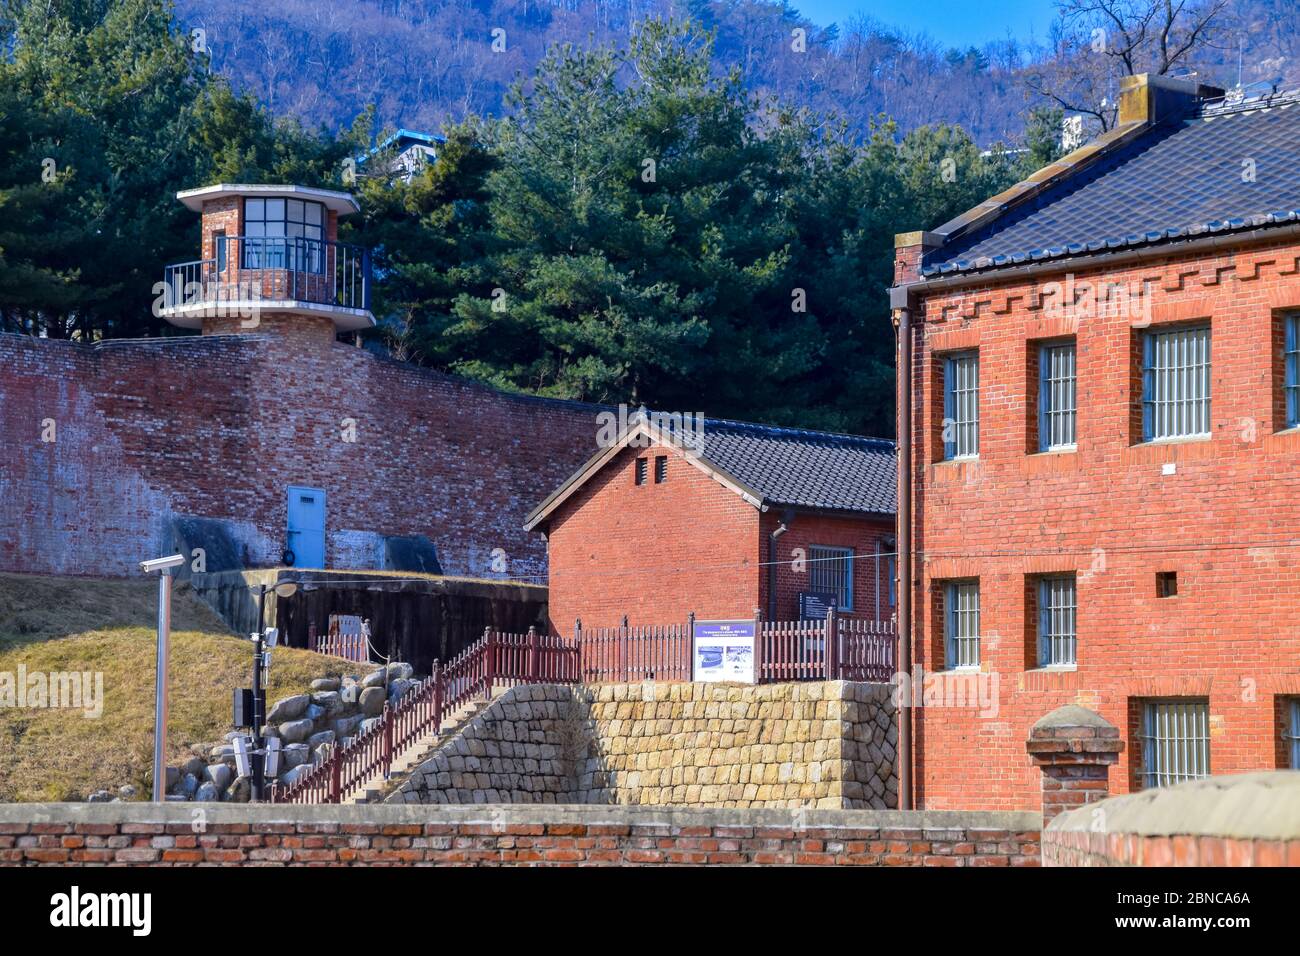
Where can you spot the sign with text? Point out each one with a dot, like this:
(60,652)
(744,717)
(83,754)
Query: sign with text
(815,605)
(723,651)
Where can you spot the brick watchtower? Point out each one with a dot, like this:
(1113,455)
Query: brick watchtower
(271,258)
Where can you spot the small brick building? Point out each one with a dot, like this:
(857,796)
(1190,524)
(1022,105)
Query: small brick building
(1105,508)
(266,434)
(727,520)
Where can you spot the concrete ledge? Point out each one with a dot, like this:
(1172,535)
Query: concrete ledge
(535,814)
(1248,806)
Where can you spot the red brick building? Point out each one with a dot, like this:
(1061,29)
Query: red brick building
(1100,394)
(267,433)
(726,519)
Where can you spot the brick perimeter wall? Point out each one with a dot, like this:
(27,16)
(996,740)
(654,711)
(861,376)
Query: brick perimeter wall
(1111,515)
(153,835)
(220,425)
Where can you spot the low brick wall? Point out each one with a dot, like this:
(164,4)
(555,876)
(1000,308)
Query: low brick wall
(821,744)
(1250,819)
(243,834)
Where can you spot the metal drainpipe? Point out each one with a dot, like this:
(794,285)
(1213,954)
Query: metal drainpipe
(903,537)
(779,530)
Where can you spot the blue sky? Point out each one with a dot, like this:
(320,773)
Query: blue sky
(952,22)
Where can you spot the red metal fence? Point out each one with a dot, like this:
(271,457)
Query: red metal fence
(784,651)
(346,638)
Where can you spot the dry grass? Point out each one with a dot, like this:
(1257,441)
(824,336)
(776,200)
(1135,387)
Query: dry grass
(78,624)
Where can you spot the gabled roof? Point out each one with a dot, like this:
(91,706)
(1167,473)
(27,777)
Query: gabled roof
(1219,167)
(766,465)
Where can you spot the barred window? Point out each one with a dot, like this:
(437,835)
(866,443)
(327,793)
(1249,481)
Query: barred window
(1175,741)
(962,624)
(961,406)
(1176,384)
(1056,615)
(831,571)
(1292,735)
(1056,397)
(1291,362)
(642,467)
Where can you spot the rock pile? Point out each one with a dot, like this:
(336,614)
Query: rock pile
(308,726)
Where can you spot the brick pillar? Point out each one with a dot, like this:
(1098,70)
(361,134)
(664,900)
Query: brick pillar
(1074,749)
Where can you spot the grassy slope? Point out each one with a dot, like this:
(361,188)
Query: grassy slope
(79,624)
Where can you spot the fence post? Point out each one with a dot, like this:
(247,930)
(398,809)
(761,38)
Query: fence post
(831,644)
(534,656)
(690,648)
(311,636)
(489,661)
(758,645)
(622,651)
(387,718)
(336,775)
(577,643)
(436,677)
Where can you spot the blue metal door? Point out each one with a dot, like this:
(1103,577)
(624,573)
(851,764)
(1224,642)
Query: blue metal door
(306,538)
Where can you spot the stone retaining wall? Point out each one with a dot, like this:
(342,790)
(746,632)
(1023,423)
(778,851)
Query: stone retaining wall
(827,744)
(1249,819)
(242,834)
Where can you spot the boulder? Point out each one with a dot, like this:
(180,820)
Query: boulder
(329,701)
(221,752)
(288,708)
(350,693)
(208,793)
(400,671)
(173,778)
(313,712)
(219,775)
(324,737)
(189,785)
(293,776)
(268,732)
(398,688)
(195,766)
(295,730)
(100,796)
(126,791)
(294,755)
(375,679)
(241,790)
(372,701)
(325,684)
(345,727)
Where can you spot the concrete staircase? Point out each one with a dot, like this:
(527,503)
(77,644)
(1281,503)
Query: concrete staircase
(421,749)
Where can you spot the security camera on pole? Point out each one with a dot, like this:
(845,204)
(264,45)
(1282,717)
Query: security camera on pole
(261,758)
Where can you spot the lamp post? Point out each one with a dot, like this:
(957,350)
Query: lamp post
(163,567)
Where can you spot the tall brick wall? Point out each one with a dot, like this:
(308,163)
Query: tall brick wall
(658,551)
(220,425)
(1222,513)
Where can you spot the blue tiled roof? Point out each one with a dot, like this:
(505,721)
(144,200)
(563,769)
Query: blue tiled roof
(1223,168)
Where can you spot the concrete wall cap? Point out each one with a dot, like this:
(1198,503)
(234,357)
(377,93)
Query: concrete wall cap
(1247,806)
(1071,715)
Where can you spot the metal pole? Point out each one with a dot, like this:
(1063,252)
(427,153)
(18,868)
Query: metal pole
(903,545)
(160,686)
(256,758)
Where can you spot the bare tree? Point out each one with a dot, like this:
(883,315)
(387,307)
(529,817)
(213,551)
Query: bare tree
(1097,42)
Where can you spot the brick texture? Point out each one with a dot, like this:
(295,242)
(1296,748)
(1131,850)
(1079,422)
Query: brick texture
(1219,512)
(658,551)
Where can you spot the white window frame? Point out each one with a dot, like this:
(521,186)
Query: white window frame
(961,405)
(1175,740)
(961,625)
(1176,374)
(1058,640)
(1291,369)
(1057,396)
(825,560)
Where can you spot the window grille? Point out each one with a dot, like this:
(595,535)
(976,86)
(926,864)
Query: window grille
(830,570)
(1057,640)
(1176,384)
(1056,397)
(1175,741)
(962,622)
(961,426)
